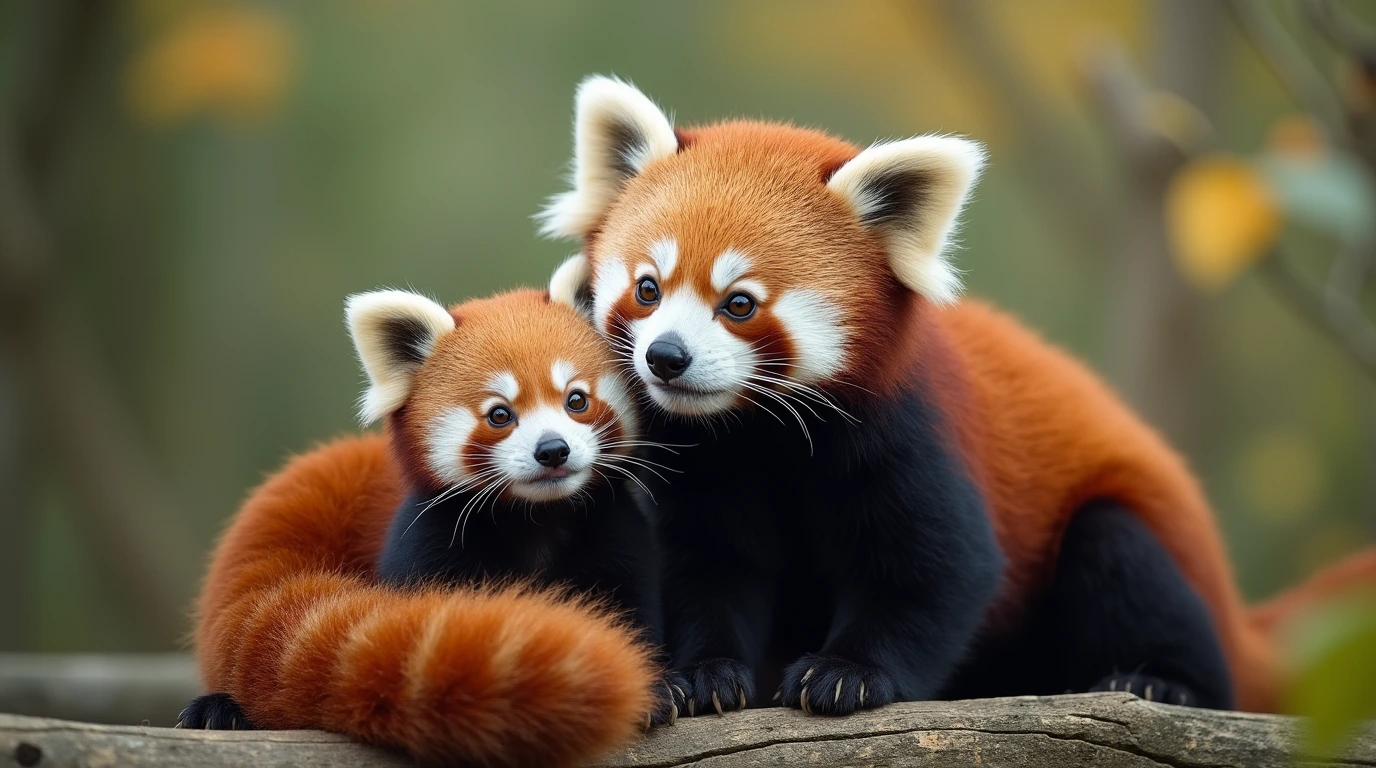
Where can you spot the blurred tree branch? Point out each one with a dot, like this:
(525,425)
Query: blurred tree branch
(132,529)
(1156,317)
(1156,353)
(1341,320)
(1344,30)
(1078,196)
(1279,50)
(1335,309)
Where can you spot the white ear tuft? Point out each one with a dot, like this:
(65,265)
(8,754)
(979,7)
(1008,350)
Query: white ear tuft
(617,132)
(393,332)
(912,192)
(570,284)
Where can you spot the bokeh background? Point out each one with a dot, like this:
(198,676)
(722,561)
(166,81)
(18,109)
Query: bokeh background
(1180,193)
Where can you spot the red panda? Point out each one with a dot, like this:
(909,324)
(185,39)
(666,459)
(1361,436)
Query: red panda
(505,415)
(899,494)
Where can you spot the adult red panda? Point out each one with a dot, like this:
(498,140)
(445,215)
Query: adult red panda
(506,419)
(904,495)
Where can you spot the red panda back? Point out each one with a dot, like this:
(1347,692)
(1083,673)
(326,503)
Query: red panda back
(1047,436)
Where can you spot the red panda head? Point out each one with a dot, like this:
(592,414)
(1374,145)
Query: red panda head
(744,261)
(513,393)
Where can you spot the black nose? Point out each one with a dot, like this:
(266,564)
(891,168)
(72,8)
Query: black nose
(667,358)
(551,451)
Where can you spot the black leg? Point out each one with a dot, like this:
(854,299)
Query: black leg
(717,638)
(1122,617)
(214,712)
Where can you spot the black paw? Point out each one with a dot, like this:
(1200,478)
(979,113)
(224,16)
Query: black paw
(718,685)
(1149,688)
(671,699)
(214,712)
(826,685)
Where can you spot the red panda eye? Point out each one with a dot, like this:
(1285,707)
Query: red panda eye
(500,416)
(647,292)
(576,402)
(740,306)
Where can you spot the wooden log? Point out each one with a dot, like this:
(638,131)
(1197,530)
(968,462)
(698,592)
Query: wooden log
(1110,729)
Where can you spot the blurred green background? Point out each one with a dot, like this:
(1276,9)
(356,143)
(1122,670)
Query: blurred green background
(188,190)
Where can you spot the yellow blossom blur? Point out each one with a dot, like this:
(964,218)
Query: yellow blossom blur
(1221,217)
(230,61)
(1298,136)
(1280,475)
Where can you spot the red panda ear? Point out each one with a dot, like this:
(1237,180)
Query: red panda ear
(617,131)
(394,332)
(571,284)
(911,192)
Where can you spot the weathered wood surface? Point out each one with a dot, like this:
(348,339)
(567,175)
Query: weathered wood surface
(1111,729)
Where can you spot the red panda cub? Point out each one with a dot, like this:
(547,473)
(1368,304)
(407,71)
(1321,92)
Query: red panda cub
(908,495)
(508,428)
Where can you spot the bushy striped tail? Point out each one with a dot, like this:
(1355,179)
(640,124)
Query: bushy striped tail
(295,628)
(1357,572)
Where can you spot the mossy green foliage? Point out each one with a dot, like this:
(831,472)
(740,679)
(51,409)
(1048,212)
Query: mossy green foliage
(1334,652)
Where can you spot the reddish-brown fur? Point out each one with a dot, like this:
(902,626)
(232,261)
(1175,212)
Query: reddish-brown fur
(458,369)
(294,626)
(1042,434)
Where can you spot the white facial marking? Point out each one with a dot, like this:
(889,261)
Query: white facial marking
(665,255)
(753,288)
(819,341)
(730,266)
(515,455)
(447,436)
(492,402)
(612,391)
(720,361)
(610,281)
(504,384)
(561,372)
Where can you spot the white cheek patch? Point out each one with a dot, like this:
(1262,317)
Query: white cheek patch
(611,280)
(730,266)
(561,372)
(665,255)
(612,391)
(446,438)
(754,289)
(819,341)
(721,362)
(504,384)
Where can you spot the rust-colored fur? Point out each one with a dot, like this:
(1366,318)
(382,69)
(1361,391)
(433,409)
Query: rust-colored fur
(1049,436)
(293,624)
(1042,434)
